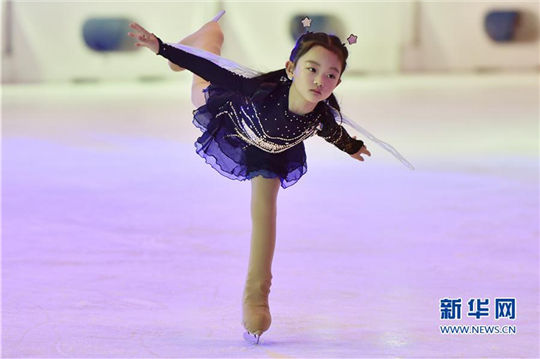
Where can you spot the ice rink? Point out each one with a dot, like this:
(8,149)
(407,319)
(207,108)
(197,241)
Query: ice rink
(119,241)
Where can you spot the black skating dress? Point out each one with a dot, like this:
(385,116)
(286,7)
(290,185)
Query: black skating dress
(247,128)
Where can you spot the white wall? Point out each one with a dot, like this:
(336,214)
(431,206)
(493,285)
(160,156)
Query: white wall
(48,43)
(392,37)
(452,37)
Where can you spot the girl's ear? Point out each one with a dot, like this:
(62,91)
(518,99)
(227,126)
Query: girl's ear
(289,67)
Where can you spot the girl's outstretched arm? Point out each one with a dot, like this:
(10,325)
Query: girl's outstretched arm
(198,65)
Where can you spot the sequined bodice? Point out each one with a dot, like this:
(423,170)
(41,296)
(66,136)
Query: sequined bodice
(266,122)
(270,125)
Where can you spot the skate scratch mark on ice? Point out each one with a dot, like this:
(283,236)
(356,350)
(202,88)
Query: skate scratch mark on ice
(63,348)
(47,321)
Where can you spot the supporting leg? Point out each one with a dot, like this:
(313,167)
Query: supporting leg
(256,311)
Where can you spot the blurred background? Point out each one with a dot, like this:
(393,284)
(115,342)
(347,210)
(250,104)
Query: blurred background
(86,41)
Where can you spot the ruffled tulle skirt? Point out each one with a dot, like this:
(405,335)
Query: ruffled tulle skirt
(234,158)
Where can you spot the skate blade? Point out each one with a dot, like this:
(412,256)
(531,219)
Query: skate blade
(252,338)
(219,15)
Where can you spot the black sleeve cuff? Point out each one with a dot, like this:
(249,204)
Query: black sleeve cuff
(161,46)
(355,147)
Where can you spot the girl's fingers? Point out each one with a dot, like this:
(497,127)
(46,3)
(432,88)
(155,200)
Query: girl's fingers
(139,38)
(136,26)
(139,28)
(365,150)
(358,157)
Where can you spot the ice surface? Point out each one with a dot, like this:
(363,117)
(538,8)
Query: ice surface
(119,241)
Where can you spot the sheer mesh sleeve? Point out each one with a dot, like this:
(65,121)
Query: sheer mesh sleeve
(336,134)
(207,69)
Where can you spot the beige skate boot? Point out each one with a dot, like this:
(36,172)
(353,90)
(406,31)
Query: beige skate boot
(256,317)
(209,37)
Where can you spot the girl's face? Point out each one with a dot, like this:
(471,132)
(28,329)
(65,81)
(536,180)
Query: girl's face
(316,75)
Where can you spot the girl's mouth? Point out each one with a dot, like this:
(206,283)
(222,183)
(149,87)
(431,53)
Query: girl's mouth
(317,92)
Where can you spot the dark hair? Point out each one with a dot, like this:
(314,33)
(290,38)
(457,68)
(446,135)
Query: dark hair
(303,44)
(330,42)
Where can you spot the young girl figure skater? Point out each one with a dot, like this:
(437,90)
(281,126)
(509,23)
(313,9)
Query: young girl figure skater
(254,126)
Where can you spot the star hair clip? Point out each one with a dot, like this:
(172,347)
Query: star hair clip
(351,39)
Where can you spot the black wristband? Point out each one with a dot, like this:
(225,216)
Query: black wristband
(160,45)
(358,145)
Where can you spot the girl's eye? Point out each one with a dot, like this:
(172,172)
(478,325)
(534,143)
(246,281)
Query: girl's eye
(332,76)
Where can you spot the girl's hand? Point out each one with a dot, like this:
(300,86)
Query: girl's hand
(144,37)
(363,150)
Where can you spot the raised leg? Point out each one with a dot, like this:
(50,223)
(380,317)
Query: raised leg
(210,38)
(256,311)
(211,42)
